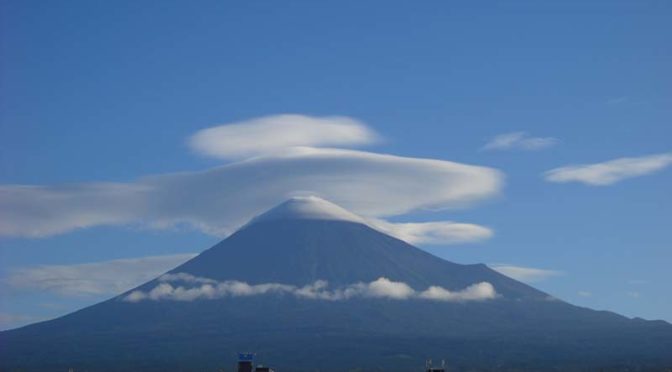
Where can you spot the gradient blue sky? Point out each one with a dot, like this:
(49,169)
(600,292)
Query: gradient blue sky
(111,91)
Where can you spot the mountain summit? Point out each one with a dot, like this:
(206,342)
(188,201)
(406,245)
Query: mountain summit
(308,208)
(309,286)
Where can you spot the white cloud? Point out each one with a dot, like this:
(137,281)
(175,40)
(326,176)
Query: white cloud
(184,277)
(633,294)
(35,211)
(219,200)
(436,232)
(385,288)
(618,100)
(519,141)
(525,274)
(105,277)
(207,289)
(270,134)
(474,292)
(13,320)
(610,172)
(379,288)
(310,208)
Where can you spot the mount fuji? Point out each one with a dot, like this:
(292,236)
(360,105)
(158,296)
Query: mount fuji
(310,286)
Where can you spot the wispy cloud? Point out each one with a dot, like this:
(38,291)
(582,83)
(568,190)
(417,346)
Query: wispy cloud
(525,274)
(519,141)
(438,232)
(13,320)
(95,278)
(585,294)
(270,134)
(219,200)
(475,292)
(193,288)
(617,100)
(610,172)
(633,294)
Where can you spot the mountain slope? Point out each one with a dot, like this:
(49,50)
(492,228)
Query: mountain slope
(339,252)
(305,240)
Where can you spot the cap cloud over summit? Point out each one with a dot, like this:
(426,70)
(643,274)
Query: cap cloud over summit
(220,200)
(308,208)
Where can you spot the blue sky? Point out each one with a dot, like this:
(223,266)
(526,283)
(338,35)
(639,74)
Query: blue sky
(112,92)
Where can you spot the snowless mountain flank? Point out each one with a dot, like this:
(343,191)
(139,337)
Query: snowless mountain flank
(311,286)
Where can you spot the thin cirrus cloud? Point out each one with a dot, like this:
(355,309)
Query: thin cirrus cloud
(437,232)
(219,200)
(191,288)
(270,134)
(610,172)
(11,320)
(525,274)
(90,279)
(519,141)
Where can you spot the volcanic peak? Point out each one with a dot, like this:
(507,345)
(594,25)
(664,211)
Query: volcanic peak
(308,208)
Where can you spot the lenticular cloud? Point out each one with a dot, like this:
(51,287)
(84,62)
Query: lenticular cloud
(272,133)
(219,200)
(270,159)
(186,287)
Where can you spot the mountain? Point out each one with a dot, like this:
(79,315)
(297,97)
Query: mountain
(309,286)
